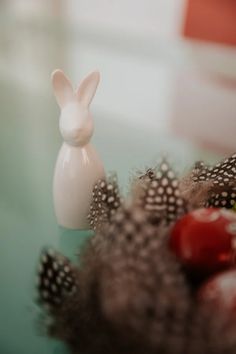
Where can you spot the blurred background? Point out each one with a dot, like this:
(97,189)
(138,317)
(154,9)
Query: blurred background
(168,85)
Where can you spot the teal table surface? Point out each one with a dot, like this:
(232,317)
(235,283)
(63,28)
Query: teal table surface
(29,143)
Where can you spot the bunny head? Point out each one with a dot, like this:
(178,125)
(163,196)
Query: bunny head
(76,125)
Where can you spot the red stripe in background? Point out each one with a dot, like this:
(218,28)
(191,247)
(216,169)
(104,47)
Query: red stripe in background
(211,20)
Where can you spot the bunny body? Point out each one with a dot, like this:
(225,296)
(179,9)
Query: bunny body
(78,165)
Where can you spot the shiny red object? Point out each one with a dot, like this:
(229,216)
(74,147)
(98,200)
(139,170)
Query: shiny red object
(220,291)
(205,240)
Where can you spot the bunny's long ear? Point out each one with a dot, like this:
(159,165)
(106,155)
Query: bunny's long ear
(63,89)
(87,88)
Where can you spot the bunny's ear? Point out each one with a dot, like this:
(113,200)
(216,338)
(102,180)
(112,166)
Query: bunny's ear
(87,88)
(62,88)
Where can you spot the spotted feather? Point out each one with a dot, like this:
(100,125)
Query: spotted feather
(222,193)
(159,194)
(222,173)
(106,200)
(55,278)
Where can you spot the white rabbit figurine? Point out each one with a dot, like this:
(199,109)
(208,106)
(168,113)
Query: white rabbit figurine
(78,165)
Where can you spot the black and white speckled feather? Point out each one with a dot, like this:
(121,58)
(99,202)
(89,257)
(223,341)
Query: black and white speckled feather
(55,278)
(134,298)
(106,200)
(221,174)
(225,198)
(212,186)
(157,192)
(143,292)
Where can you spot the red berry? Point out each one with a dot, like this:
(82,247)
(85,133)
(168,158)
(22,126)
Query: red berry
(205,240)
(220,291)
(215,316)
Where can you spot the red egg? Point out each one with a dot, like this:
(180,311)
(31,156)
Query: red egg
(205,240)
(220,291)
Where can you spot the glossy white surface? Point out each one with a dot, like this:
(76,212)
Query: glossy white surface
(77,170)
(78,165)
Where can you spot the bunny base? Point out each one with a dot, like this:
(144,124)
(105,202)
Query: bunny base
(77,170)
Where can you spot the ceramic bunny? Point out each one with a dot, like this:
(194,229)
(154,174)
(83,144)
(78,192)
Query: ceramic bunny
(78,165)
